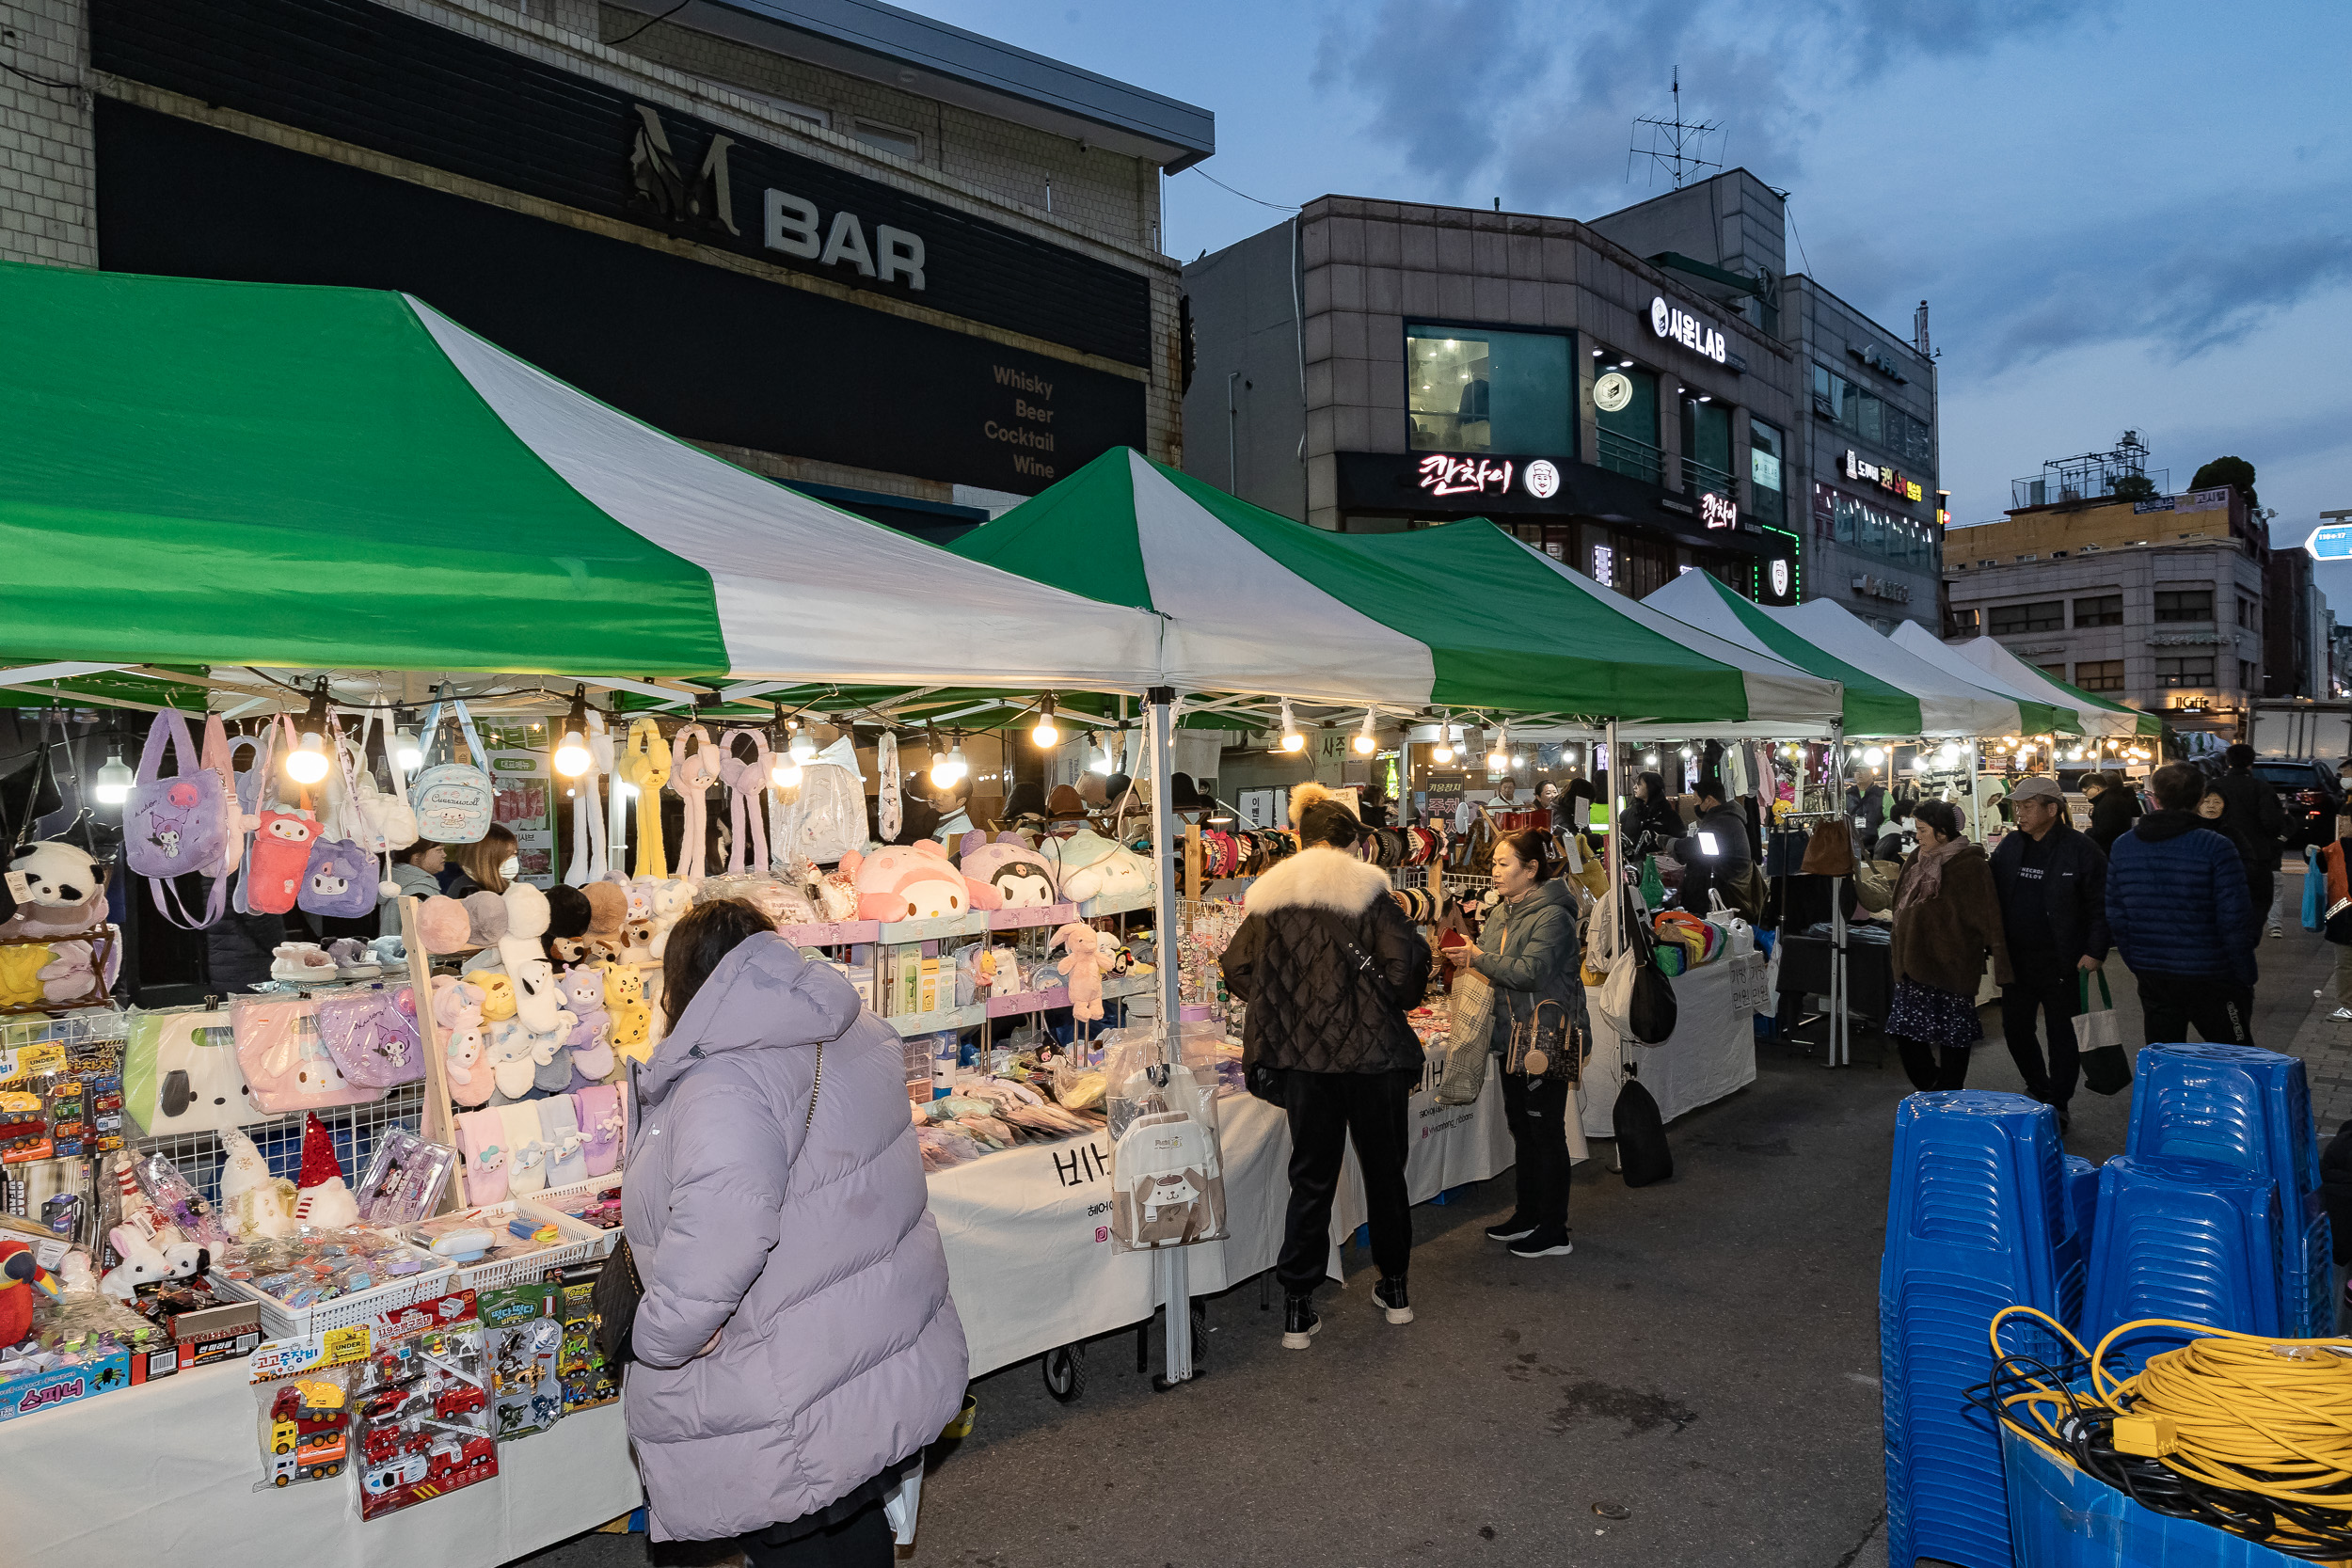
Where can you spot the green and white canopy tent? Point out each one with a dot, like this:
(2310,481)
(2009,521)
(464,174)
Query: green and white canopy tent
(1462,617)
(2100,717)
(208,473)
(1874,706)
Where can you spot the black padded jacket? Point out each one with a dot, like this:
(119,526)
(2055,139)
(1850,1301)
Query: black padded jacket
(1311,1008)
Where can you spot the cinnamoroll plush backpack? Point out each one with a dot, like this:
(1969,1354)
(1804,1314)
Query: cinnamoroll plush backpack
(1007,863)
(914,882)
(1088,865)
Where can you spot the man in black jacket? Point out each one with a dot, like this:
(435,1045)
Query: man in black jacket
(2251,807)
(2053,886)
(1717,856)
(1327,963)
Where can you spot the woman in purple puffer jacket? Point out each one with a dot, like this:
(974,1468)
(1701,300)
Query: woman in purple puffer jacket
(795,1349)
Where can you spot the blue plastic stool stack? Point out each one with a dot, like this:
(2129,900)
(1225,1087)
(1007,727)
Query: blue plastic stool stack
(2082,1197)
(1976,1219)
(2252,1110)
(2186,1238)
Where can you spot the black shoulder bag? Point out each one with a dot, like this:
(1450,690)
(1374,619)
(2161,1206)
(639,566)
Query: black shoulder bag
(619,1289)
(1643,1155)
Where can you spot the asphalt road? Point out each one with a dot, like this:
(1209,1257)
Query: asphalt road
(1707,1361)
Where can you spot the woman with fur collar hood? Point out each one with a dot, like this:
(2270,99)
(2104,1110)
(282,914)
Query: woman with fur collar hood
(1328,964)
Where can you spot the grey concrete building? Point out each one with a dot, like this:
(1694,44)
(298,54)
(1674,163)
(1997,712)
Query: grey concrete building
(1377,366)
(905,267)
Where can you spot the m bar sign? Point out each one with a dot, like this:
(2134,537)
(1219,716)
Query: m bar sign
(1699,336)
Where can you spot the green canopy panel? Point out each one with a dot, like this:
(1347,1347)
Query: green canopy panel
(2100,717)
(1951,704)
(239,473)
(1873,706)
(1462,616)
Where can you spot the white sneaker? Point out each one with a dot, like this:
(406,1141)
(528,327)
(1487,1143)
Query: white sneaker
(2341,1014)
(2275,931)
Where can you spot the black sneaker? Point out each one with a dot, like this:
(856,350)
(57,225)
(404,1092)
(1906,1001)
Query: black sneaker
(1537,1244)
(1511,1230)
(2066,1122)
(1390,1293)
(1299,1322)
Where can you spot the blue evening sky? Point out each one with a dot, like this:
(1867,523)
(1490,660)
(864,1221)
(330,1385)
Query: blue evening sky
(2122,215)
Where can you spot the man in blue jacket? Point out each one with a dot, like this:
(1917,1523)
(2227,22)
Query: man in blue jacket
(2178,909)
(2053,886)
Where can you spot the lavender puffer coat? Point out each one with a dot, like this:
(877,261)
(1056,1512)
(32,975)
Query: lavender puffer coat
(841,1353)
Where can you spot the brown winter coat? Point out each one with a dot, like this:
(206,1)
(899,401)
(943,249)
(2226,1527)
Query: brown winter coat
(1943,942)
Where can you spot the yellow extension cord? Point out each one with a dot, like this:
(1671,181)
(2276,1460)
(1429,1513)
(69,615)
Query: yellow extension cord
(2222,1407)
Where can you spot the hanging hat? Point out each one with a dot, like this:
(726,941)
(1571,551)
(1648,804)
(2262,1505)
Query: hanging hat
(319,1165)
(1065,805)
(1094,789)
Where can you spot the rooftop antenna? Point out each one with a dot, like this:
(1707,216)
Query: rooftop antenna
(1676,145)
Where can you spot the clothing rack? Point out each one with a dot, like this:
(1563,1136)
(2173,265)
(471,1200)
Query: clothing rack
(1839,1049)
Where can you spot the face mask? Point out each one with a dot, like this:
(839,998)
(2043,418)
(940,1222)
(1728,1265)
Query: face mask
(508,866)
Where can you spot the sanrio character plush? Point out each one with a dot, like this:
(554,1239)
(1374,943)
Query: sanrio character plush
(281,855)
(509,1055)
(1088,865)
(914,882)
(592,1054)
(550,1062)
(671,899)
(1007,863)
(498,994)
(65,893)
(1089,956)
(458,1007)
(257,1204)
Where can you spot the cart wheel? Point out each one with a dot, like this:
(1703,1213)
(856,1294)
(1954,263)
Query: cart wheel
(1066,1373)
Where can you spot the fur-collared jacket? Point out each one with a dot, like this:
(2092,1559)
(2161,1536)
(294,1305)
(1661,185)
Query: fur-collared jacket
(1311,1008)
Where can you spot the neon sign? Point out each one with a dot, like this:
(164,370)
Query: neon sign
(1464,476)
(1699,336)
(1887,479)
(1543,478)
(1719,511)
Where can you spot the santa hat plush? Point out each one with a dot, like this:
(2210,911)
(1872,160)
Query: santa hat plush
(325,1203)
(319,1165)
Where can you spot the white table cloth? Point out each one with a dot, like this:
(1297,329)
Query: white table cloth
(1711,1053)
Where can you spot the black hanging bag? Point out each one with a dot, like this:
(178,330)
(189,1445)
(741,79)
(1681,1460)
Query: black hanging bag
(1650,1012)
(1642,1152)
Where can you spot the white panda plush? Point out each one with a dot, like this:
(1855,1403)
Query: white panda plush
(58,890)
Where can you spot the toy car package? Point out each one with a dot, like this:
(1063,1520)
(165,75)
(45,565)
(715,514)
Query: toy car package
(423,1424)
(523,1326)
(302,1406)
(587,1381)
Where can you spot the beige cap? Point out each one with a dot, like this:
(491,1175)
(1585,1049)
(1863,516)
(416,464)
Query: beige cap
(2037,789)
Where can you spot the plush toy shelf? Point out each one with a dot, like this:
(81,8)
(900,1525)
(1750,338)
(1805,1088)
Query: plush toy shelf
(1116,903)
(1026,1002)
(840,934)
(970,924)
(936,1023)
(1021,920)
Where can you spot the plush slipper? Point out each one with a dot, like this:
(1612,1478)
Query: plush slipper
(525,1135)
(481,1139)
(601,1119)
(559,1122)
(302,962)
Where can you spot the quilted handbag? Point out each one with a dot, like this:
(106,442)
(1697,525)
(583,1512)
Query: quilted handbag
(372,1036)
(286,1064)
(1549,1045)
(173,826)
(452,800)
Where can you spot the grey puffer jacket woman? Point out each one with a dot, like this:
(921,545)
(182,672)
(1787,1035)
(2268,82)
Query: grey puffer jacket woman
(1531,952)
(811,1254)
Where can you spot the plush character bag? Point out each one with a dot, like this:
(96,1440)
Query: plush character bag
(287,1067)
(372,1037)
(173,826)
(339,878)
(181,1075)
(452,800)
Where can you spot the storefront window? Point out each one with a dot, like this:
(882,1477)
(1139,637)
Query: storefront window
(1472,390)
(1628,431)
(1766,446)
(1705,447)
(1891,538)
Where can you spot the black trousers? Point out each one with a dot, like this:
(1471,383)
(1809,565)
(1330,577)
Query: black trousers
(1325,1110)
(864,1540)
(2044,998)
(1927,1073)
(2220,1009)
(1536,1114)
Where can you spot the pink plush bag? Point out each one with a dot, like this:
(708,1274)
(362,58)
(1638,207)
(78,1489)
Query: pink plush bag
(286,1064)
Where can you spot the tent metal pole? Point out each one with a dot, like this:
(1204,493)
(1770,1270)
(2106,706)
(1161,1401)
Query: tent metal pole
(1838,1055)
(1172,1267)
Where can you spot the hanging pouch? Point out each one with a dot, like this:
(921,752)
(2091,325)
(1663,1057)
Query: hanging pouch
(173,826)
(286,1063)
(180,1073)
(373,1037)
(340,880)
(217,755)
(452,800)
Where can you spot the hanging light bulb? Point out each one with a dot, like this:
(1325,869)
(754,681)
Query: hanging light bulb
(954,756)
(1366,742)
(407,756)
(572,756)
(1874,755)
(1500,758)
(307,763)
(1651,758)
(1948,753)
(1045,734)
(1442,753)
(1292,739)
(802,746)
(1101,762)
(115,779)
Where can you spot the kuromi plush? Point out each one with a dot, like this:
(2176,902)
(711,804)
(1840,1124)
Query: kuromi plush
(1007,864)
(914,882)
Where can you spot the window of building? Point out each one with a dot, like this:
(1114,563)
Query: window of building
(1872,420)
(1468,389)
(2248,678)
(1965,623)
(2043,615)
(2246,615)
(1707,449)
(1767,446)
(1896,539)
(2104,609)
(2103,674)
(892,139)
(2185,670)
(2184,604)
(1628,441)
(804,112)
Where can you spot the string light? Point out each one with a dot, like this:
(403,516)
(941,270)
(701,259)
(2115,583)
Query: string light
(1292,739)
(1365,742)
(1045,734)
(307,763)
(572,756)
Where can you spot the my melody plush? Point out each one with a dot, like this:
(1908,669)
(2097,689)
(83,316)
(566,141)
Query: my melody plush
(1088,865)
(457,1009)
(1091,955)
(914,882)
(1007,863)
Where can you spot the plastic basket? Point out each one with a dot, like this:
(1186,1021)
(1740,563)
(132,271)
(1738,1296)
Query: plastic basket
(281,1322)
(578,1243)
(2062,1518)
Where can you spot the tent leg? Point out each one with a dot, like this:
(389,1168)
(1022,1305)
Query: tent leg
(1172,1269)
(1838,1055)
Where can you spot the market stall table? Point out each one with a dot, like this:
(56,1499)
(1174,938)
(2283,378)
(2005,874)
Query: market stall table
(165,1471)
(1711,1053)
